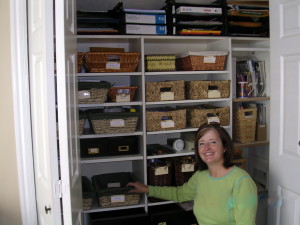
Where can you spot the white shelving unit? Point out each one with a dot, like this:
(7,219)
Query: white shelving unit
(137,164)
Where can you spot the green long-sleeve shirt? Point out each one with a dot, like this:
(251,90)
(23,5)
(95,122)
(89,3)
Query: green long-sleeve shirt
(228,200)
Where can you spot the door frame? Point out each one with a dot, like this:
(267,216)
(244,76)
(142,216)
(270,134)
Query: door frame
(21,104)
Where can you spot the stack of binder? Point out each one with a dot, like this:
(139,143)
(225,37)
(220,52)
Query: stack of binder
(139,21)
(248,18)
(99,22)
(195,19)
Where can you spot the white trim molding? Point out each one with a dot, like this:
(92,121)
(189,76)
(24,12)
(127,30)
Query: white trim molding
(21,103)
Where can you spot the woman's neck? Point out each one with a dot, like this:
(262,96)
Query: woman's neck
(218,170)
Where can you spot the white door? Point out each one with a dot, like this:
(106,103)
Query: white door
(66,64)
(284,184)
(43,115)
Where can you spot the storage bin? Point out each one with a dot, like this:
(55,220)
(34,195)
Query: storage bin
(113,122)
(99,62)
(121,94)
(244,125)
(165,91)
(159,119)
(123,146)
(155,63)
(160,172)
(184,167)
(94,147)
(92,92)
(198,115)
(209,60)
(111,189)
(88,193)
(207,89)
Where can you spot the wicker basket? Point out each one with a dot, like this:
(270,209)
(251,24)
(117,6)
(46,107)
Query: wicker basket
(113,122)
(198,115)
(159,119)
(155,63)
(121,94)
(165,91)
(98,62)
(80,58)
(88,192)
(185,167)
(92,92)
(112,191)
(207,89)
(160,173)
(210,60)
(244,125)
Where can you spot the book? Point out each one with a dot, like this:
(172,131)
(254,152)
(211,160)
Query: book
(198,10)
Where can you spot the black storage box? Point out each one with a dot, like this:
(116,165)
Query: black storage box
(123,145)
(94,147)
(171,214)
(121,217)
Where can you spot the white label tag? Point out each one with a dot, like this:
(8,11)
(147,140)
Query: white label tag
(123,98)
(161,170)
(117,198)
(167,123)
(113,65)
(214,94)
(93,151)
(167,96)
(214,119)
(117,123)
(111,185)
(84,94)
(209,59)
(187,167)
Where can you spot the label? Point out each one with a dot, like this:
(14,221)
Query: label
(167,123)
(187,167)
(213,119)
(163,170)
(117,198)
(113,62)
(123,98)
(117,123)
(209,59)
(167,96)
(113,185)
(84,94)
(214,94)
(93,151)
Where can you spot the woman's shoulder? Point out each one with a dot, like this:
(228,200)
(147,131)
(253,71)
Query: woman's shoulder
(240,174)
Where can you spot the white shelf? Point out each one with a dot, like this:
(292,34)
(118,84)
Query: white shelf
(189,101)
(247,49)
(185,73)
(86,75)
(176,154)
(177,131)
(110,104)
(112,159)
(110,135)
(113,208)
(160,203)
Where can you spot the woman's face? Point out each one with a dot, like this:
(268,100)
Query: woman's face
(210,148)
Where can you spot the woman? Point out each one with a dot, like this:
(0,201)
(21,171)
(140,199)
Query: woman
(223,194)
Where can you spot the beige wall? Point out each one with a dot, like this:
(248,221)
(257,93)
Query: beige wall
(10,213)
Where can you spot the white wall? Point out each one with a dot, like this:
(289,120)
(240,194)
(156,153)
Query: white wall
(10,212)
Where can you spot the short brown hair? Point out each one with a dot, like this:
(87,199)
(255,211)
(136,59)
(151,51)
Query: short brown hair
(226,142)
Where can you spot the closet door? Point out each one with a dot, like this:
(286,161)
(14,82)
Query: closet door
(66,48)
(284,188)
(43,115)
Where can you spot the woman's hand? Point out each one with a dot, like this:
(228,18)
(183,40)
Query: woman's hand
(138,187)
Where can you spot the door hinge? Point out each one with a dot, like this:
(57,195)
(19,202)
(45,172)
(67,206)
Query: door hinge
(58,189)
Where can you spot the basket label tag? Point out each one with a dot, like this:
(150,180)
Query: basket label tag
(123,98)
(84,94)
(93,151)
(163,170)
(113,62)
(117,198)
(209,59)
(113,185)
(214,119)
(167,122)
(167,96)
(117,123)
(214,94)
(187,167)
